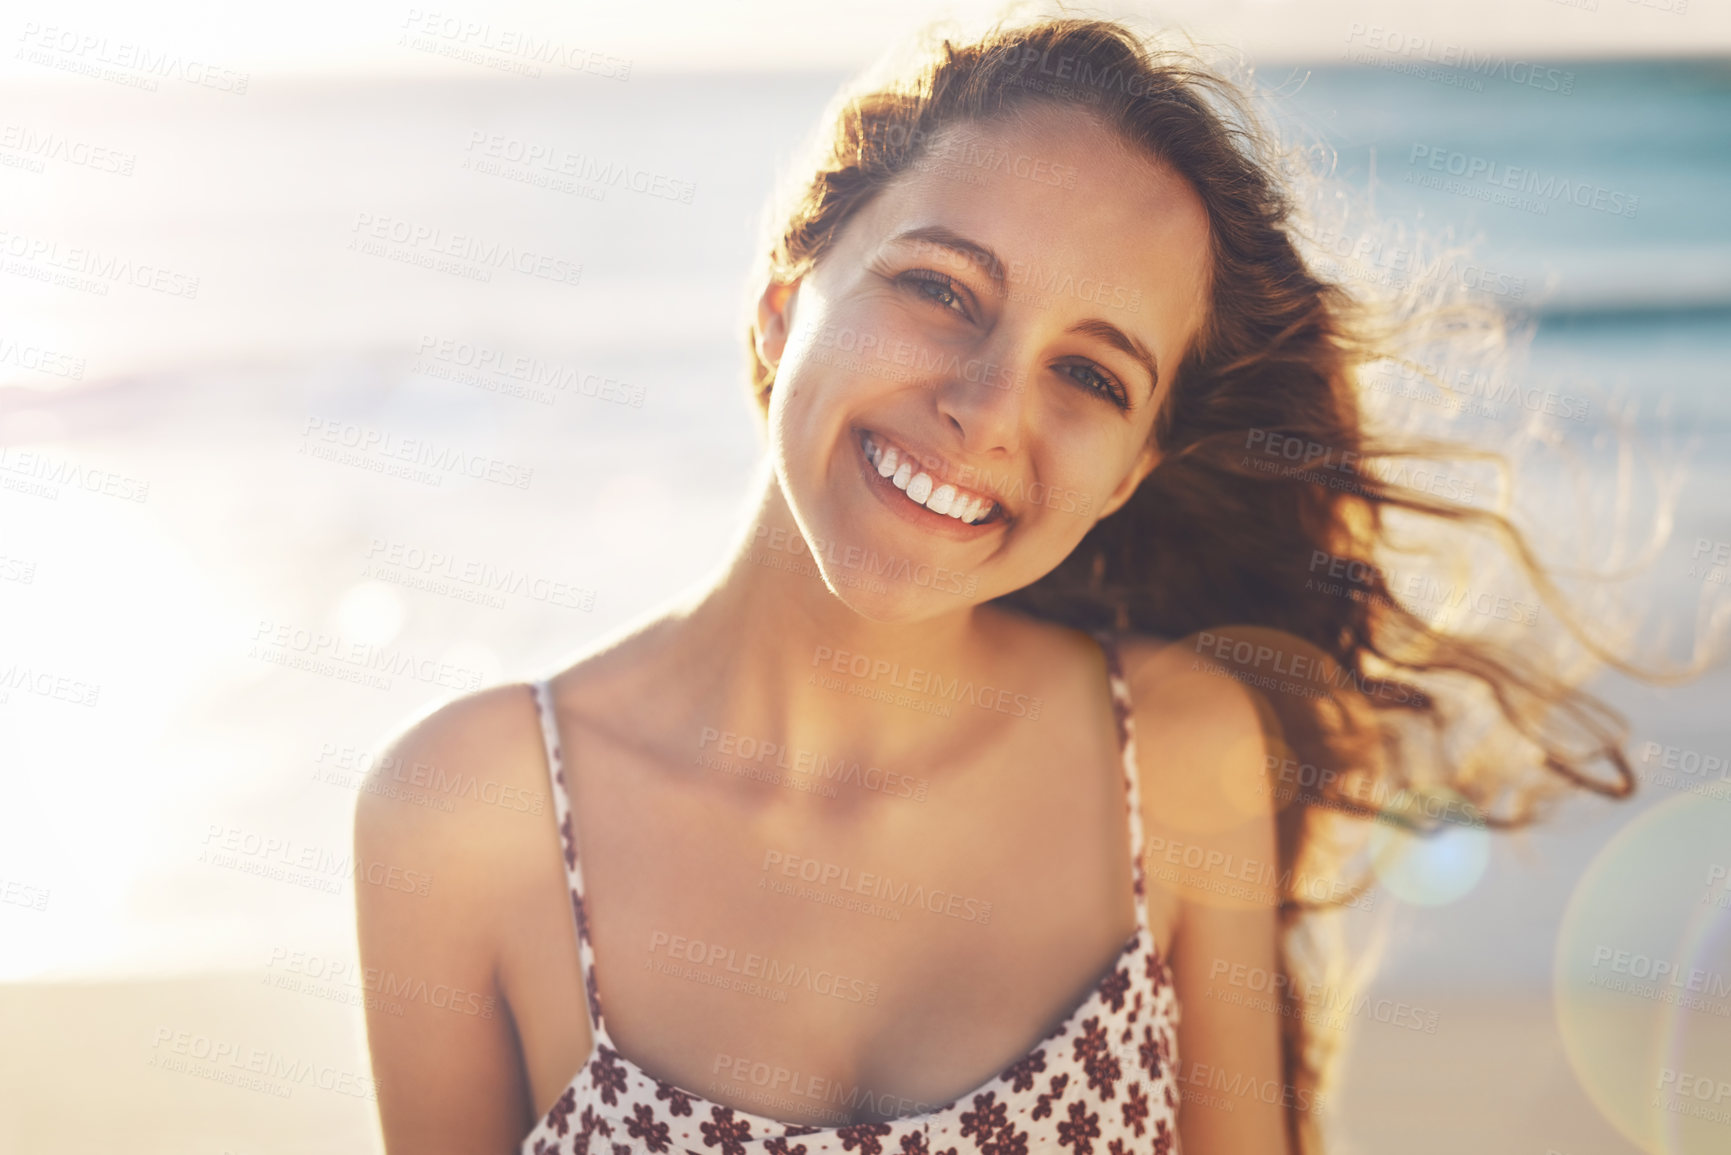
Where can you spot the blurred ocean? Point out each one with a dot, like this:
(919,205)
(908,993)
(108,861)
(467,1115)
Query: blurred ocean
(177,517)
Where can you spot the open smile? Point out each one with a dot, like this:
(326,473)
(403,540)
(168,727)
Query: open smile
(913,494)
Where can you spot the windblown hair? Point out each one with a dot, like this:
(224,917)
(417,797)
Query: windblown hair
(1226,537)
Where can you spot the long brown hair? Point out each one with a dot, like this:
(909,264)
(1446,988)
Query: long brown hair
(1270,473)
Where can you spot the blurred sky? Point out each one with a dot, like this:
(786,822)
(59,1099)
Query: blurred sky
(729,35)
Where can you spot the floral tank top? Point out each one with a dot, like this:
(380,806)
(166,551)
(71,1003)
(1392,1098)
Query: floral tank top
(1104,1082)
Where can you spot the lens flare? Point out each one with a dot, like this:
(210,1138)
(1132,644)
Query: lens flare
(1642,979)
(1431,869)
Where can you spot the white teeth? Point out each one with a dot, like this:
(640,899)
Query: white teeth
(945,500)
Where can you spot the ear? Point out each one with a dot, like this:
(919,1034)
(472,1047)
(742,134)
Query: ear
(774,320)
(1139,469)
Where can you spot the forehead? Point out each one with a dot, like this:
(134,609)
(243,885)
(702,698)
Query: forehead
(1063,201)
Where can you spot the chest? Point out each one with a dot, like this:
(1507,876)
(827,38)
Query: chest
(903,946)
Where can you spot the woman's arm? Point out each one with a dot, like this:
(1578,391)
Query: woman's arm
(1211,855)
(433,892)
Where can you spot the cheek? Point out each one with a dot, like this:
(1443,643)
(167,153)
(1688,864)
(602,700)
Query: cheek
(1084,479)
(791,431)
(1060,522)
(808,419)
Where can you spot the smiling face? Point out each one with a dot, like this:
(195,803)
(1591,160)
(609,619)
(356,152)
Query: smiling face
(967,378)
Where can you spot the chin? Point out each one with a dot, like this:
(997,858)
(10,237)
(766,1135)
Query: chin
(890,602)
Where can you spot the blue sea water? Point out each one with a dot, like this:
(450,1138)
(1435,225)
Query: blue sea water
(1627,261)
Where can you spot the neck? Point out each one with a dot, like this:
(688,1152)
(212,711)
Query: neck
(778,657)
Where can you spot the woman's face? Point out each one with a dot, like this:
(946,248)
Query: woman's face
(1003,319)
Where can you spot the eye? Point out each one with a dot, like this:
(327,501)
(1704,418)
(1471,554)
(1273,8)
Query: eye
(1090,377)
(938,289)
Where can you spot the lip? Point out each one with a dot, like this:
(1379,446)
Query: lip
(918,515)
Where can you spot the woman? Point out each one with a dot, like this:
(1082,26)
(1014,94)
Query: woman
(946,816)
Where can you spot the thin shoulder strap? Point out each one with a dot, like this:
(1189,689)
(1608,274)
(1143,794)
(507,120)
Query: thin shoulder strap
(1122,713)
(573,862)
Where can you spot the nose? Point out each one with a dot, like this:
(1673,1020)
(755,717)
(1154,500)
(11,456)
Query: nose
(985,399)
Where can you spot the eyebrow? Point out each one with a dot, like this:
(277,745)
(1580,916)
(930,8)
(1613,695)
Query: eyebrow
(989,263)
(978,254)
(1124,343)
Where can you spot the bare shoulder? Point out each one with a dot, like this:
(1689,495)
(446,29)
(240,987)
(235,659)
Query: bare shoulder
(458,794)
(1169,680)
(453,835)
(461,780)
(1201,757)
(1213,868)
